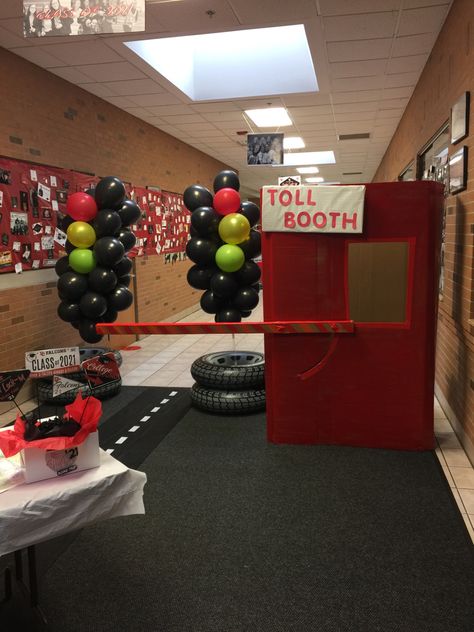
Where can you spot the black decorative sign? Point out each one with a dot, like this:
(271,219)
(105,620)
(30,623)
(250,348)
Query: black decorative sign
(11,383)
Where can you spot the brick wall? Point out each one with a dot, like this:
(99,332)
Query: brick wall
(448,73)
(45,119)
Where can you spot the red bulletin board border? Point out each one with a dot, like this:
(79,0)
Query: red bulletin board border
(33,201)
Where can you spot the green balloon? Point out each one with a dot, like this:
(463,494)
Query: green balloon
(82,260)
(230,258)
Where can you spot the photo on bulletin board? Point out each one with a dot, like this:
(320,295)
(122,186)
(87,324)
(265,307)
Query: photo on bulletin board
(460,119)
(64,18)
(265,149)
(458,170)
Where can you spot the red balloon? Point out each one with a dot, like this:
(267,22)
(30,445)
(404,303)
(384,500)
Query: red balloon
(81,207)
(226,201)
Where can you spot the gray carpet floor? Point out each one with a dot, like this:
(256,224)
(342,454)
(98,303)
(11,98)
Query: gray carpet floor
(242,536)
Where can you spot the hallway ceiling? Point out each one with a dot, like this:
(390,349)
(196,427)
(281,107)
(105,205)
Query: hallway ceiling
(368,56)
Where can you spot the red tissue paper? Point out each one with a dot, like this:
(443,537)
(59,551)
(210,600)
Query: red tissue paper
(86,412)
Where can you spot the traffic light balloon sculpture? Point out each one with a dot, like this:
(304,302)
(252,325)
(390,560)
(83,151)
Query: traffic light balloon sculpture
(223,245)
(95,274)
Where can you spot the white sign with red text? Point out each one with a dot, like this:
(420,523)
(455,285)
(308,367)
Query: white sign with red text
(313,209)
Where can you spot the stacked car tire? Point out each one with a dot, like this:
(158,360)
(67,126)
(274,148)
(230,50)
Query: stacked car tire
(229,382)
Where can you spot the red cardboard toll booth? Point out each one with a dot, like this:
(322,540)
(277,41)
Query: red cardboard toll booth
(376,265)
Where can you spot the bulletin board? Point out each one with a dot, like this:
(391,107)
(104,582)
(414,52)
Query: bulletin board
(33,201)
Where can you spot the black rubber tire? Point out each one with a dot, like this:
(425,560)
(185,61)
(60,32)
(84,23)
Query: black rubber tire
(86,353)
(230,370)
(228,402)
(45,391)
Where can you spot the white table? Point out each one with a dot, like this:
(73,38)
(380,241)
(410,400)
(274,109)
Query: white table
(35,512)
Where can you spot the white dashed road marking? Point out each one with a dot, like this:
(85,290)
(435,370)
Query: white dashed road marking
(164,401)
(121,440)
(145,418)
(134,428)
(109,450)
(173,393)
(155,410)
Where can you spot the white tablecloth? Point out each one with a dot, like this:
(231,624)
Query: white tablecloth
(39,511)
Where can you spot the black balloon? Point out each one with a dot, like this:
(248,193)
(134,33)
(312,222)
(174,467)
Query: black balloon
(127,238)
(87,331)
(248,274)
(200,278)
(245,298)
(205,221)
(192,231)
(120,298)
(252,246)
(69,312)
(124,266)
(129,212)
(201,251)
(93,305)
(62,266)
(65,222)
(228,315)
(91,191)
(76,324)
(246,313)
(68,247)
(226,180)
(210,303)
(108,251)
(72,285)
(102,280)
(107,223)
(125,280)
(223,284)
(110,316)
(251,212)
(196,196)
(110,193)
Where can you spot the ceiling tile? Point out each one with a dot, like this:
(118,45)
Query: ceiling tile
(9,39)
(149,100)
(310,111)
(355,116)
(221,106)
(415,21)
(314,98)
(170,110)
(388,114)
(357,68)
(388,104)
(39,56)
(138,112)
(136,86)
(120,102)
(357,97)
(265,11)
(73,75)
(349,7)
(396,93)
(360,50)
(360,27)
(99,89)
(111,71)
(401,80)
(413,45)
(412,63)
(190,16)
(81,53)
(216,117)
(353,83)
(186,127)
(183,118)
(348,108)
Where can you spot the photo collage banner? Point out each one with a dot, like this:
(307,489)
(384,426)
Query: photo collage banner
(33,201)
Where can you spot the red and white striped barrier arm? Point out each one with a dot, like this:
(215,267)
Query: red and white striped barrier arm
(271,327)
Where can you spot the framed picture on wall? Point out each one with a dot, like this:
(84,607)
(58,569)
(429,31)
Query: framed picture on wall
(460,119)
(458,170)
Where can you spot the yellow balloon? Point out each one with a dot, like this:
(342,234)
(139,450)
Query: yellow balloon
(81,234)
(234,228)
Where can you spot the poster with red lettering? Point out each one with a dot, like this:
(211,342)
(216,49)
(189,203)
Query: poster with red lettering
(313,209)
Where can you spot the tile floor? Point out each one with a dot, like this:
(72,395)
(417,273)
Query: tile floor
(166,361)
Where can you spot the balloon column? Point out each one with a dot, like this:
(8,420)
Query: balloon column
(222,246)
(95,274)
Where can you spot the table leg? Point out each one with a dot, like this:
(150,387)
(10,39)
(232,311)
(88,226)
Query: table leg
(32,576)
(18,566)
(8,586)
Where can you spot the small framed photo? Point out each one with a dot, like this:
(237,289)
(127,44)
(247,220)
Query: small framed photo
(265,149)
(459,123)
(458,170)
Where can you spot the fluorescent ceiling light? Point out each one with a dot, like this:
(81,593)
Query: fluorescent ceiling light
(293,142)
(307,170)
(269,117)
(309,158)
(317,179)
(235,64)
